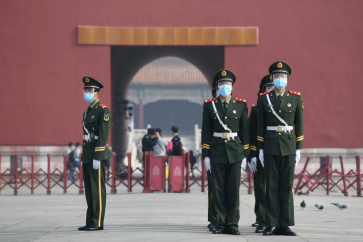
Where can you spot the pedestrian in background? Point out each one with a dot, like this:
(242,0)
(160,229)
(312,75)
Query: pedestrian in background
(177,144)
(192,160)
(75,156)
(69,149)
(148,143)
(160,147)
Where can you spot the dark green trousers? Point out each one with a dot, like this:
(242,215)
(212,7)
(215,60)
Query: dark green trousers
(95,189)
(225,190)
(279,176)
(211,213)
(260,189)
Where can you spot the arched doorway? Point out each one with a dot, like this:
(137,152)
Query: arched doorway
(126,62)
(168,91)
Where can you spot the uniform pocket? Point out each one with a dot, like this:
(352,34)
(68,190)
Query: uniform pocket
(290,113)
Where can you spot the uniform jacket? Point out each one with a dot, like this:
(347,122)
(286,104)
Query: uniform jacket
(218,149)
(99,120)
(252,121)
(290,110)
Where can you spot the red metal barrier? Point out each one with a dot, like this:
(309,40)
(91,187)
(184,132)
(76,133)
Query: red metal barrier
(204,176)
(176,174)
(247,181)
(156,173)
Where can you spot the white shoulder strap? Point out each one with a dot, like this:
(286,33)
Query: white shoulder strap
(273,111)
(219,119)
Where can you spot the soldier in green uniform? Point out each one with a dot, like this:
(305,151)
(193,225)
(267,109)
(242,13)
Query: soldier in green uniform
(224,146)
(279,147)
(96,128)
(254,164)
(211,213)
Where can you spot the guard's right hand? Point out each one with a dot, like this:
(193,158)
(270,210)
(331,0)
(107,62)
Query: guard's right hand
(253,164)
(261,157)
(207,164)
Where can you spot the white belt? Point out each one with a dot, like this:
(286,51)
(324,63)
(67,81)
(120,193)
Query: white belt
(280,128)
(225,135)
(87,137)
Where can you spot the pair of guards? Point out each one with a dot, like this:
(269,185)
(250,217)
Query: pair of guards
(273,142)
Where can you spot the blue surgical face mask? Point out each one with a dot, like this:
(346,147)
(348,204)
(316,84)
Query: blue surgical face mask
(225,90)
(280,83)
(89,97)
(218,93)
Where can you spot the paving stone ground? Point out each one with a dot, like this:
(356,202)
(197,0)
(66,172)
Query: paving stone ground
(165,217)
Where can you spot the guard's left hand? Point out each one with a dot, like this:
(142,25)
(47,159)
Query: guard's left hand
(243,165)
(96,164)
(297,158)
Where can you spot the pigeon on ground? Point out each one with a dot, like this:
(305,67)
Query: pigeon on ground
(299,193)
(341,206)
(319,206)
(303,204)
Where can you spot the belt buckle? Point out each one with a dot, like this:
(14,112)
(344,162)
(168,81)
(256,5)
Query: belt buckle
(224,135)
(279,128)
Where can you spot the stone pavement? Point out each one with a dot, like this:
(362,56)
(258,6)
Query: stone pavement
(166,217)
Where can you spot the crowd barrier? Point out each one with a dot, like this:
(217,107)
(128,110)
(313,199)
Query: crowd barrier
(327,179)
(181,177)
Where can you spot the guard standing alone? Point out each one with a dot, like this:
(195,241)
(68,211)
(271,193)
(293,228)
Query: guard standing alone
(254,164)
(224,146)
(279,147)
(96,127)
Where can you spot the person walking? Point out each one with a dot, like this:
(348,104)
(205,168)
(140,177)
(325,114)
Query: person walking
(96,128)
(225,149)
(279,145)
(255,164)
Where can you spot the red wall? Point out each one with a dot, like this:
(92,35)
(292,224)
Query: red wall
(41,65)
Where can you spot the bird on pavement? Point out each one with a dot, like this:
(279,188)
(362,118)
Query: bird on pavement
(341,206)
(319,206)
(299,193)
(303,204)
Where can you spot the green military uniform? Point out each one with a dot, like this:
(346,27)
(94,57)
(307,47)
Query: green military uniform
(225,155)
(97,119)
(279,148)
(259,175)
(211,213)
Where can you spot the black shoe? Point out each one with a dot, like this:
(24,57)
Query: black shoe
(94,228)
(84,228)
(212,227)
(233,232)
(284,230)
(270,230)
(259,229)
(255,224)
(218,231)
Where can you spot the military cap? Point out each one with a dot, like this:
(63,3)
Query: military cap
(280,66)
(223,75)
(265,81)
(91,82)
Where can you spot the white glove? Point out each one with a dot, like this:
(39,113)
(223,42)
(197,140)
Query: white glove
(96,164)
(253,164)
(207,163)
(243,165)
(298,157)
(261,158)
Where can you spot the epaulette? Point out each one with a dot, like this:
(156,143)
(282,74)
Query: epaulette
(210,100)
(241,100)
(254,105)
(264,93)
(102,106)
(296,93)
